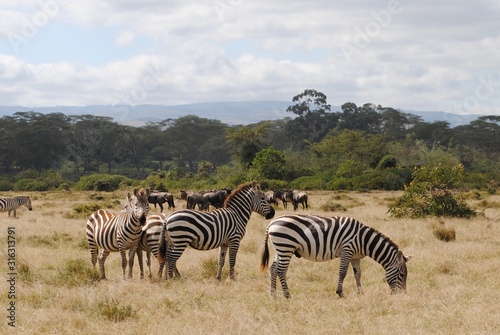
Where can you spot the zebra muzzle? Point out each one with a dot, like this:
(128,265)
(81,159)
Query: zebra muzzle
(270,215)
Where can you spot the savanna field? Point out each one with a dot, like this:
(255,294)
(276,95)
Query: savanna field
(452,288)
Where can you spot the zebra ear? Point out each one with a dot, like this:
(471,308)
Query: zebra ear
(255,185)
(402,258)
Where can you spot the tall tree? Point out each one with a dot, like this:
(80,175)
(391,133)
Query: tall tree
(314,119)
(40,139)
(246,141)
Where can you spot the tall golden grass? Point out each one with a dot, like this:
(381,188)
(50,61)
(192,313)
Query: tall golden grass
(453,287)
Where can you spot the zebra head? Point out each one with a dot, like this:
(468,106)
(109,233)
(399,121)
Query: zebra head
(260,204)
(138,204)
(28,203)
(396,275)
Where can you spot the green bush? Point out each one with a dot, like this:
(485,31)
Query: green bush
(102,182)
(6,185)
(157,181)
(30,185)
(340,184)
(308,183)
(428,194)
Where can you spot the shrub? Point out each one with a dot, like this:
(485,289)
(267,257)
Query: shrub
(428,194)
(102,182)
(386,162)
(308,183)
(111,310)
(6,185)
(444,234)
(30,185)
(331,206)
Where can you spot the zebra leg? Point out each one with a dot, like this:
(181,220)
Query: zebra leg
(222,260)
(123,253)
(173,255)
(160,269)
(233,251)
(131,255)
(356,268)
(273,275)
(345,259)
(93,252)
(102,258)
(148,263)
(281,269)
(139,258)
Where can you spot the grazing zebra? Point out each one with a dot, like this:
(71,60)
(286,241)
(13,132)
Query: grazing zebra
(223,227)
(11,204)
(318,239)
(112,231)
(150,243)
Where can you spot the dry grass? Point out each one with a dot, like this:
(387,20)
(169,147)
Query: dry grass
(453,287)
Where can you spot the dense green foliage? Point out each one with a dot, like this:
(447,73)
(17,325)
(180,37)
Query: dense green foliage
(359,148)
(429,194)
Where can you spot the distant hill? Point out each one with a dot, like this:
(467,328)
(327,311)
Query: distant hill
(229,112)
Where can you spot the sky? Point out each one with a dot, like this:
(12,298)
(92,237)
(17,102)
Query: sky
(428,55)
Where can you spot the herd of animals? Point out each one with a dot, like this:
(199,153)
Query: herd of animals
(312,237)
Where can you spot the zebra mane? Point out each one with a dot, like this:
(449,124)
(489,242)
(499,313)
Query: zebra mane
(239,189)
(385,237)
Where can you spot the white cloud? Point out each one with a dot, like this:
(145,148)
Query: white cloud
(125,38)
(425,55)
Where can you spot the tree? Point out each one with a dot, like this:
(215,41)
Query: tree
(355,145)
(39,139)
(246,141)
(192,139)
(270,163)
(313,120)
(92,139)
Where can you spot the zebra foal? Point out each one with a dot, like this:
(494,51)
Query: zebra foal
(223,228)
(111,231)
(150,243)
(318,239)
(11,204)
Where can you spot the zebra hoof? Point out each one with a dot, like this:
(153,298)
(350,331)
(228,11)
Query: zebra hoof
(340,293)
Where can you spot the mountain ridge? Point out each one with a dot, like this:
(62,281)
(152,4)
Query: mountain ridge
(228,112)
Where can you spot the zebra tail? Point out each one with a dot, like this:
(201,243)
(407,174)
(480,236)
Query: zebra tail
(264,260)
(162,255)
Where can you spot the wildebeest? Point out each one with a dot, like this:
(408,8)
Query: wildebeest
(285,196)
(270,197)
(193,200)
(299,197)
(160,198)
(214,198)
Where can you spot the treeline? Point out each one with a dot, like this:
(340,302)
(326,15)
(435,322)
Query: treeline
(360,147)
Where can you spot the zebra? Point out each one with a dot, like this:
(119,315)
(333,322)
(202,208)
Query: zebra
(150,243)
(223,227)
(112,231)
(319,238)
(11,204)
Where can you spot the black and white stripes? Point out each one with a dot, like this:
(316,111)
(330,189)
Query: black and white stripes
(112,231)
(223,227)
(318,239)
(11,204)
